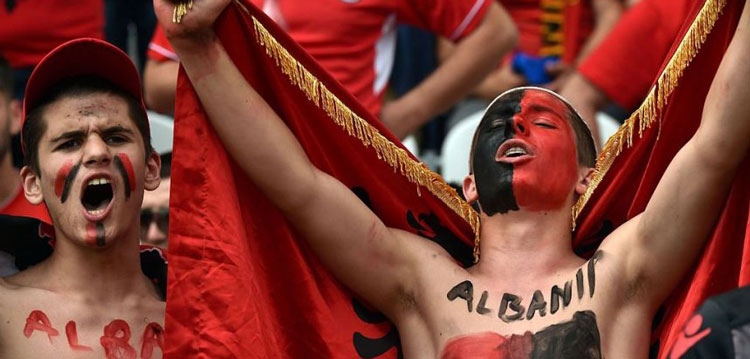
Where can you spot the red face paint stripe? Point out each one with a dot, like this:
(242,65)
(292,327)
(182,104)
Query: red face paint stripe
(91,234)
(62,174)
(128,167)
(65,176)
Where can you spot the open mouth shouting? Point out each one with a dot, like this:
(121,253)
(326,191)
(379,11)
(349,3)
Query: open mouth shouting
(96,197)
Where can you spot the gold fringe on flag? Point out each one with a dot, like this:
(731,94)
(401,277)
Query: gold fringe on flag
(400,160)
(651,109)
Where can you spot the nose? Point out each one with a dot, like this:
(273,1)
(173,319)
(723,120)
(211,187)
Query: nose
(96,152)
(155,235)
(519,125)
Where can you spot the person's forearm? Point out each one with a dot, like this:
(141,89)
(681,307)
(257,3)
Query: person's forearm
(725,129)
(607,13)
(685,204)
(456,77)
(159,85)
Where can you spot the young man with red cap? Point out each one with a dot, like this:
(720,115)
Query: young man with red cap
(530,295)
(88,157)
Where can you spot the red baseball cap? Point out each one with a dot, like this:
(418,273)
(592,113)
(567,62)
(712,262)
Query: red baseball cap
(84,56)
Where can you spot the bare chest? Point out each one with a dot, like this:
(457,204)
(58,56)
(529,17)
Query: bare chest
(548,318)
(60,333)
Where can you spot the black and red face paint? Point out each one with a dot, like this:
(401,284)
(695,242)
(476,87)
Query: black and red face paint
(95,234)
(125,166)
(544,175)
(65,176)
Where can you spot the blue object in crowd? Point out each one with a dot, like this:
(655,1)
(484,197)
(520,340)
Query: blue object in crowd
(533,68)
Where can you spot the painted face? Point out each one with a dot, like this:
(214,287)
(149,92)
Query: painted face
(91,164)
(525,154)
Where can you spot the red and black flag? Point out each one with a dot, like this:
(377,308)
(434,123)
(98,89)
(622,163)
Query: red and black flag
(634,159)
(244,284)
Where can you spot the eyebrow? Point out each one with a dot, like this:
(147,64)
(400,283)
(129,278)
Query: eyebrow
(117,129)
(68,135)
(543,108)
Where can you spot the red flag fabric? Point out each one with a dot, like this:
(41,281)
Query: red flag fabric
(648,141)
(241,284)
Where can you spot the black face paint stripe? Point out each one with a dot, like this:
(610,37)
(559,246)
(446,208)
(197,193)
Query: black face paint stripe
(125,178)
(100,240)
(68,181)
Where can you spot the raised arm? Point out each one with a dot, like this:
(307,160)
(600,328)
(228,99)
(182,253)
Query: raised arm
(476,55)
(662,242)
(349,238)
(159,84)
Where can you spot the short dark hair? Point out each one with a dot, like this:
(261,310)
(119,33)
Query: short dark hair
(6,78)
(34,126)
(585,148)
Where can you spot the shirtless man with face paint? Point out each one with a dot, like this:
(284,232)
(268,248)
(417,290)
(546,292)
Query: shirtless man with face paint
(88,157)
(529,296)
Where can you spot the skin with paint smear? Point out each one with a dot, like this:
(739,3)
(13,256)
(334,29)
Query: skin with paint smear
(89,299)
(530,295)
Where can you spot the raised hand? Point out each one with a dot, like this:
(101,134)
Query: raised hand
(195,25)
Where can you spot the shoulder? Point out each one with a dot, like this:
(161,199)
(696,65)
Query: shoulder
(435,249)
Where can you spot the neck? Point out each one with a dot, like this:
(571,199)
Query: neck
(103,275)
(526,245)
(9,180)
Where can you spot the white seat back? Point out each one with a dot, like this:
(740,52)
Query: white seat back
(454,154)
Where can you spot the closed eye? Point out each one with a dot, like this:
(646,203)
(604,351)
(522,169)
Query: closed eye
(497,123)
(544,124)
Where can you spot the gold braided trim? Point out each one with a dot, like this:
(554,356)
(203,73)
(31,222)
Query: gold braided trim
(652,107)
(414,171)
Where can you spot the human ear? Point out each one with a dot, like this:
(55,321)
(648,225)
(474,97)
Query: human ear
(153,166)
(31,187)
(470,189)
(585,174)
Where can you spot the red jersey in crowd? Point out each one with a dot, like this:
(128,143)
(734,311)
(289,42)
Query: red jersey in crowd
(31,28)
(355,40)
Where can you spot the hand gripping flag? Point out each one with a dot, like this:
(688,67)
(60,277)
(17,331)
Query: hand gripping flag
(635,157)
(244,285)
